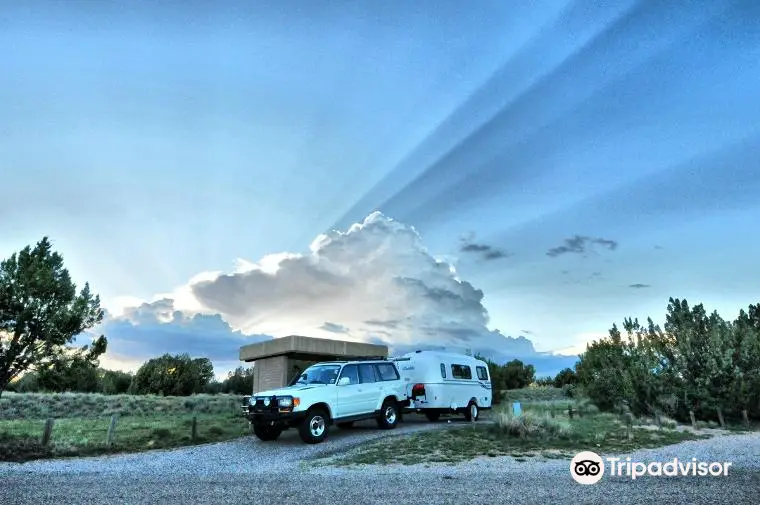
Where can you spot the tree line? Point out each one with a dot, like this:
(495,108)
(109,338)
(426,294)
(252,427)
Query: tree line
(169,375)
(697,364)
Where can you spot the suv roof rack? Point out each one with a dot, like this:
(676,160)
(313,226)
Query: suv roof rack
(346,360)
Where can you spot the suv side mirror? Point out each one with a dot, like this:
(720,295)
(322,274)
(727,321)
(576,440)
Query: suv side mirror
(344,381)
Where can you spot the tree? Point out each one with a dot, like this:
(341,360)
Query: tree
(239,381)
(566,376)
(517,375)
(116,382)
(172,375)
(205,370)
(698,364)
(545,381)
(600,372)
(75,374)
(213,388)
(41,313)
(746,390)
(27,383)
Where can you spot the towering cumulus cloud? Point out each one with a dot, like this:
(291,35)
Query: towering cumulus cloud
(374,282)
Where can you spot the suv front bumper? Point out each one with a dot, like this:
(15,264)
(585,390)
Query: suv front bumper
(272,417)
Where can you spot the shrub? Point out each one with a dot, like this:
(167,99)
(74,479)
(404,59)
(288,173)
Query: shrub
(161,433)
(498,396)
(215,431)
(569,390)
(667,422)
(585,405)
(531,425)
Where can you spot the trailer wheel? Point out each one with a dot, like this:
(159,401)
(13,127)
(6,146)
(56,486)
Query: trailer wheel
(472,413)
(433,416)
(266,433)
(388,418)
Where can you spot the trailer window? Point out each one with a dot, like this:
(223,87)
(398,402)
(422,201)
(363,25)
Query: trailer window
(482,373)
(461,372)
(366,374)
(443,370)
(386,372)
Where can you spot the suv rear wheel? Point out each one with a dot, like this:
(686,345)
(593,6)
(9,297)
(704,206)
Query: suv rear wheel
(266,433)
(388,418)
(313,429)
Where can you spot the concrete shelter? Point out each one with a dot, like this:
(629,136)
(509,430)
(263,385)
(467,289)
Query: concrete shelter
(277,361)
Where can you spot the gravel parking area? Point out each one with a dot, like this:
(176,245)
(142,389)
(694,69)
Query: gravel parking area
(247,470)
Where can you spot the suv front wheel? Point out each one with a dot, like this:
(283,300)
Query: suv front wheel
(389,415)
(266,433)
(313,429)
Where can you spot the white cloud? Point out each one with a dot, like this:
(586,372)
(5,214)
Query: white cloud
(374,282)
(377,271)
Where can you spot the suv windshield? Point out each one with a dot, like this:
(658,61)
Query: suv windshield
(319,374)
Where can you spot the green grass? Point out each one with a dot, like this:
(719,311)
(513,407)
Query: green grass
(20,440)
(533,393)
(534,434)
(94,405)
(82,420)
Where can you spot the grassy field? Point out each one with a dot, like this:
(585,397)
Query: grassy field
(532,394)
(82,420)
(535,433)
(93,405)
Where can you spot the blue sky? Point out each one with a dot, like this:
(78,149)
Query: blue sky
(156,143)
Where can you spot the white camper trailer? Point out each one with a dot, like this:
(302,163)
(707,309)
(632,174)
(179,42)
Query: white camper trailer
(441,382)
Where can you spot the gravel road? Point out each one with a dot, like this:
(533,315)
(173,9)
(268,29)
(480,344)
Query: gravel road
(246,470)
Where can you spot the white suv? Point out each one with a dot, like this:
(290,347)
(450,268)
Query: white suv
(337,392)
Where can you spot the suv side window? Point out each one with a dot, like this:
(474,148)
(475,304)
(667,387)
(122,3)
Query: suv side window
(482,373)
(443,371)
(367,374)
(352,372)
(386,372)
(461,371)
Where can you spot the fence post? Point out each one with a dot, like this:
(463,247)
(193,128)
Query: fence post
(570,411)
(47,431)
(745,417)
(194,429)
(111,430)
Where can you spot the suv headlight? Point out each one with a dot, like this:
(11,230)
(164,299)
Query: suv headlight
(252,400)
(286,402)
